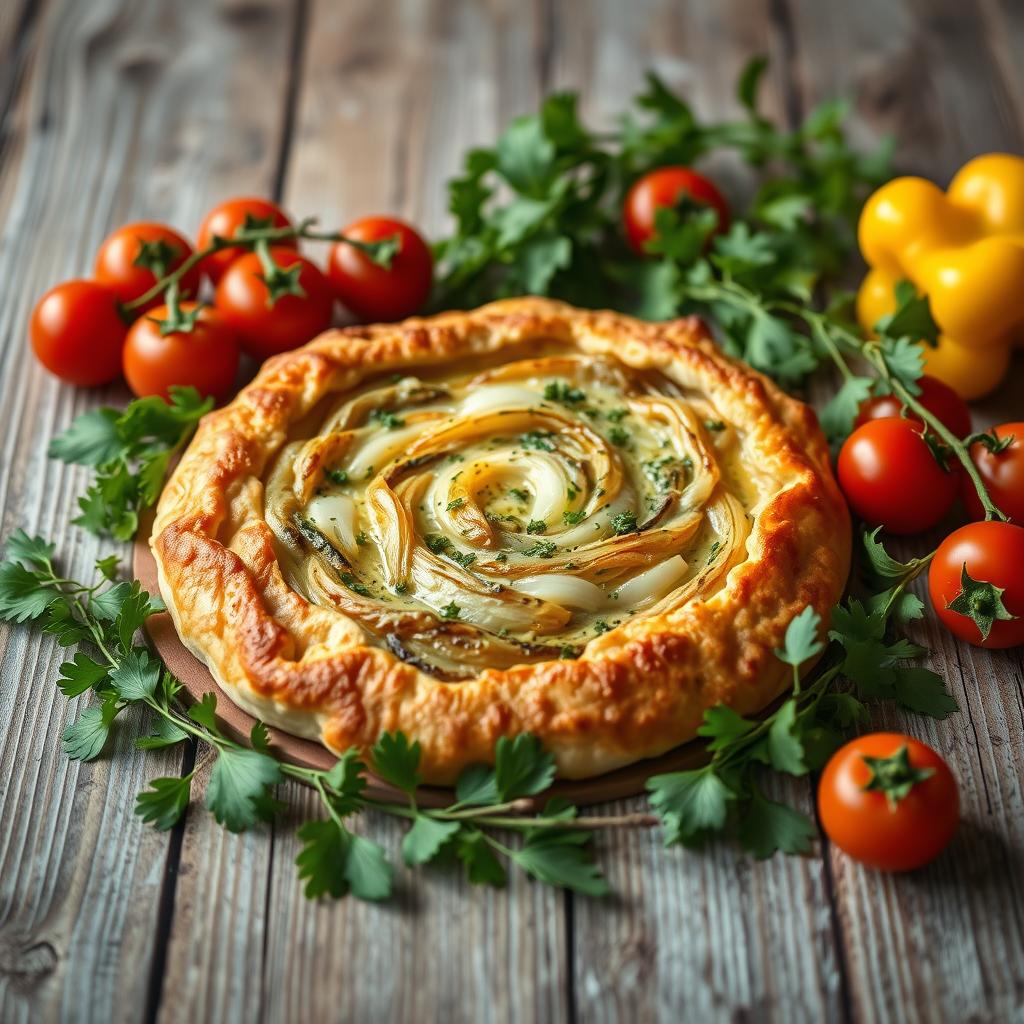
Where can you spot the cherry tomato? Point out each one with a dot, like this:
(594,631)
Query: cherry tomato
(77,333)
(265,328)
(888,801)
(1001,472)
(225,219)
(373,292)
(118,261)
(989,610)
(205,357)
(891,479)
(665,187)
(938,398)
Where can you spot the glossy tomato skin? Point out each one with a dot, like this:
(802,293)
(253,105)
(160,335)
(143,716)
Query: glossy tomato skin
(938,398)
(115,262)
(993,553)
(205,357)
(265,330)
(77,333)
(225,219)
(864,825)
(373,292)
(891,479)
(664,187)
(1002,473)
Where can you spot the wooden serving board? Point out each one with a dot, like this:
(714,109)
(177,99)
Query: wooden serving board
(197,681)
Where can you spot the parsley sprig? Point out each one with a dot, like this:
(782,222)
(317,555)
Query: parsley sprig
(802,733)
(491,822)
(131,451)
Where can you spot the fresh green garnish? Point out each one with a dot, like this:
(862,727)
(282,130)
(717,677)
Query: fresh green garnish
(361,538)
(536,526)
(573,518)
(454,504)
(714,425)
(338,476)
(539,440)
(600,626)
(386,419)
(402,587)
(617,415)
(519,494)
(437,543)
(131,452)
(465,559)
(624,522)
(619,437)
(713,552)
(541,549)
(562,391)
(354,585)
(451,610)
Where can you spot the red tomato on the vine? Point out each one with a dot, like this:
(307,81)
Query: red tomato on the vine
(888,801)
(938,398)
(127,259)
(205,356)
(77,333)
(268,324)
(225,219)
(373,292)
(976,583)
(1002,473)
(891,478)
(665,187)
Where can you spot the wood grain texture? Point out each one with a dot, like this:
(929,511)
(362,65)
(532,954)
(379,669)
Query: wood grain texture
(946,943)
(117,109)
(109,115)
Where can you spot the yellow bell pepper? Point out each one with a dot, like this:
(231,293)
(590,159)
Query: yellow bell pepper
(964,249)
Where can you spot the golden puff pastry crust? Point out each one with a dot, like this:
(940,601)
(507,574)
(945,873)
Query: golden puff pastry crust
(527,517)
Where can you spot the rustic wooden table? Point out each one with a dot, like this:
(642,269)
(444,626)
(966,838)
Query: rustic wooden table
(119,109)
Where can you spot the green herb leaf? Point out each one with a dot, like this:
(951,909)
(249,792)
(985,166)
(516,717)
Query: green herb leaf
(424,840)
(767,827)
(482,866)
(557,858)
(334,861)
(81,674)
(86,738)
(397,761)
(164,803)
(239,782)
(136,677)
(801,641)
(522,767)
(690,803)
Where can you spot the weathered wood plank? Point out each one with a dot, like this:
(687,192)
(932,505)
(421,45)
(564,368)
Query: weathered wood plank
(693,935)
(113,118)
(945,943)
(391,97)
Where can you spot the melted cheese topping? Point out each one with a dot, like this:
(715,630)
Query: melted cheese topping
(511,515)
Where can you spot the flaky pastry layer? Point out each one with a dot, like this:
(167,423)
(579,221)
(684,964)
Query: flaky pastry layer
(236,548)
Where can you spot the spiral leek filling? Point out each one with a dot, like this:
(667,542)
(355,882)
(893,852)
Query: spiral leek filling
(510,515)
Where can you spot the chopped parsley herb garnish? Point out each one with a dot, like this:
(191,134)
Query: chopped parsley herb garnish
(536,526)
(451,610)
(572,518)
(617,415)
(600,626)
(562,391)
(454,504)
(715,425)
(624,522)
(519,494)
(542,549)
(713,553)
(572,492)
(501,556)
(455,457)
(337,476)
(664,472)
(402,588)
(361,538)
(386,418)
(437,542)
(539,440)
(354,585)
(619,437)
(568,653)
(465,559)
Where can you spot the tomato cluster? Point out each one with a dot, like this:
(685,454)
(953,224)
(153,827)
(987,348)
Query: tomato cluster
(138,315)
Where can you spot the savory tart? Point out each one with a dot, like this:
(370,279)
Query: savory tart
(523,518)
